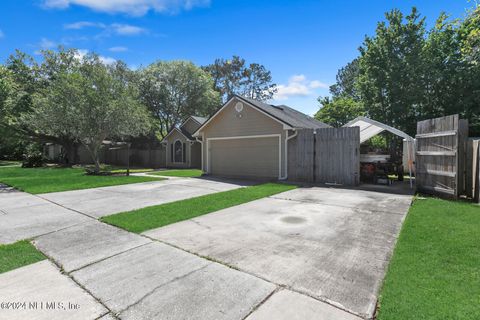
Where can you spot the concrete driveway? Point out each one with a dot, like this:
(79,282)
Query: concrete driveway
(99,202)
(329,244)
(310,253)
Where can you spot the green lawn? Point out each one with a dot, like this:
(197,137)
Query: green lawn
(435,269)
(157,216)
(189,173)
(43,180)
(18,254)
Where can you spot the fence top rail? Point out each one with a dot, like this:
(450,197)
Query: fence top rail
(436,134)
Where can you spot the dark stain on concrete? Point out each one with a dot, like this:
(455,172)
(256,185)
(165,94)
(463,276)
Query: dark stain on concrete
(293,220)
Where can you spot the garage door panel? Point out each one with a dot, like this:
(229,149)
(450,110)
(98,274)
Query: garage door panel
(252,157)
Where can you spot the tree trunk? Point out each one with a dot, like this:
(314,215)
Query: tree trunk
(97,164)
(96,159)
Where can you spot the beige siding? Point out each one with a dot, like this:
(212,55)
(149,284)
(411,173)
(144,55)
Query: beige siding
(253,158)
(170,141)
(249,122)
(191,125)
(196,152)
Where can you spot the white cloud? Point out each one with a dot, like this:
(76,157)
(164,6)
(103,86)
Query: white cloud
(126,29)
(81,53)
(298,78)
(107,60)
(45,44)
(84,24)
(114,28)
(118,49)
(130,7)
(298,86)
(318,84)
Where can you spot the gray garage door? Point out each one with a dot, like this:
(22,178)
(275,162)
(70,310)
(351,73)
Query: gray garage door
(248,157)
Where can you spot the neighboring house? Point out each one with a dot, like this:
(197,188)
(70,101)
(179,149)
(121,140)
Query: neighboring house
(248,138)
(182,149)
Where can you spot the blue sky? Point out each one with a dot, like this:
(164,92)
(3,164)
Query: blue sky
(303,43)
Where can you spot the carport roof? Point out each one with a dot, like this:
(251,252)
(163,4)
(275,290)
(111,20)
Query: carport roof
(370,128)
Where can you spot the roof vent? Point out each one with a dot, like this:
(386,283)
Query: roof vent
(277,107)
(239,107)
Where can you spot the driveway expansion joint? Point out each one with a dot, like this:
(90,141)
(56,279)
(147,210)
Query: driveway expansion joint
(162,285)
(67,274)
(317,298)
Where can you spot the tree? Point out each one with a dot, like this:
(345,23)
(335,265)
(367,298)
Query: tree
(174,90)
(234,77)
(346,81)
(391,68)
(90,102)
(29,78)
(338,111)
(405,74)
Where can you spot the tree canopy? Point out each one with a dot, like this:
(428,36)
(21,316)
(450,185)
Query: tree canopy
(88,101)
(174,90)
(405,73)
(234,76)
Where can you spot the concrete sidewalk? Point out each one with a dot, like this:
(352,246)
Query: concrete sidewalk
(24,216)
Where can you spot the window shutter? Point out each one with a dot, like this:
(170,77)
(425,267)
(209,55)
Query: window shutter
(171,153)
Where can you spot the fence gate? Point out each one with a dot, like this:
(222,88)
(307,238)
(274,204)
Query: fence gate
(337,156)
(440,155)
(330,155)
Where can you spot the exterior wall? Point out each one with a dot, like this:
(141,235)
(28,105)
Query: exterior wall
(196,152)
(249,122)
(170,141)
(191,125)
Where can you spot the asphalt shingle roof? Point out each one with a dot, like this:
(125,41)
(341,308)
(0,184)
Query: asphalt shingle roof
(290,116)
(200,120)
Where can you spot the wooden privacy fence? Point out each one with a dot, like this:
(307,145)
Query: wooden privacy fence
(329,155)
(472,181)
(440,156)
(149,158)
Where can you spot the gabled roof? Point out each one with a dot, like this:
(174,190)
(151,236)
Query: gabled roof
(197,119)
(290,117)
(200,120)
(370,128)
(182,131)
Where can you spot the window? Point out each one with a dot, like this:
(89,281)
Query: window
(178,151)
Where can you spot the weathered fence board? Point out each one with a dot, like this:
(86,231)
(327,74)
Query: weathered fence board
(337,156)
(152,158)
(440,155)
(301,157)
(472,184)
(330,155)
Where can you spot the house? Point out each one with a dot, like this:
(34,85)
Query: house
(182,150)
(249,139)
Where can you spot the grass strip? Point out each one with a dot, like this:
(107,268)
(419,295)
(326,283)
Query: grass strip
(17,255)
(45,180)
(435,270)
(187,173)
(157,216)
